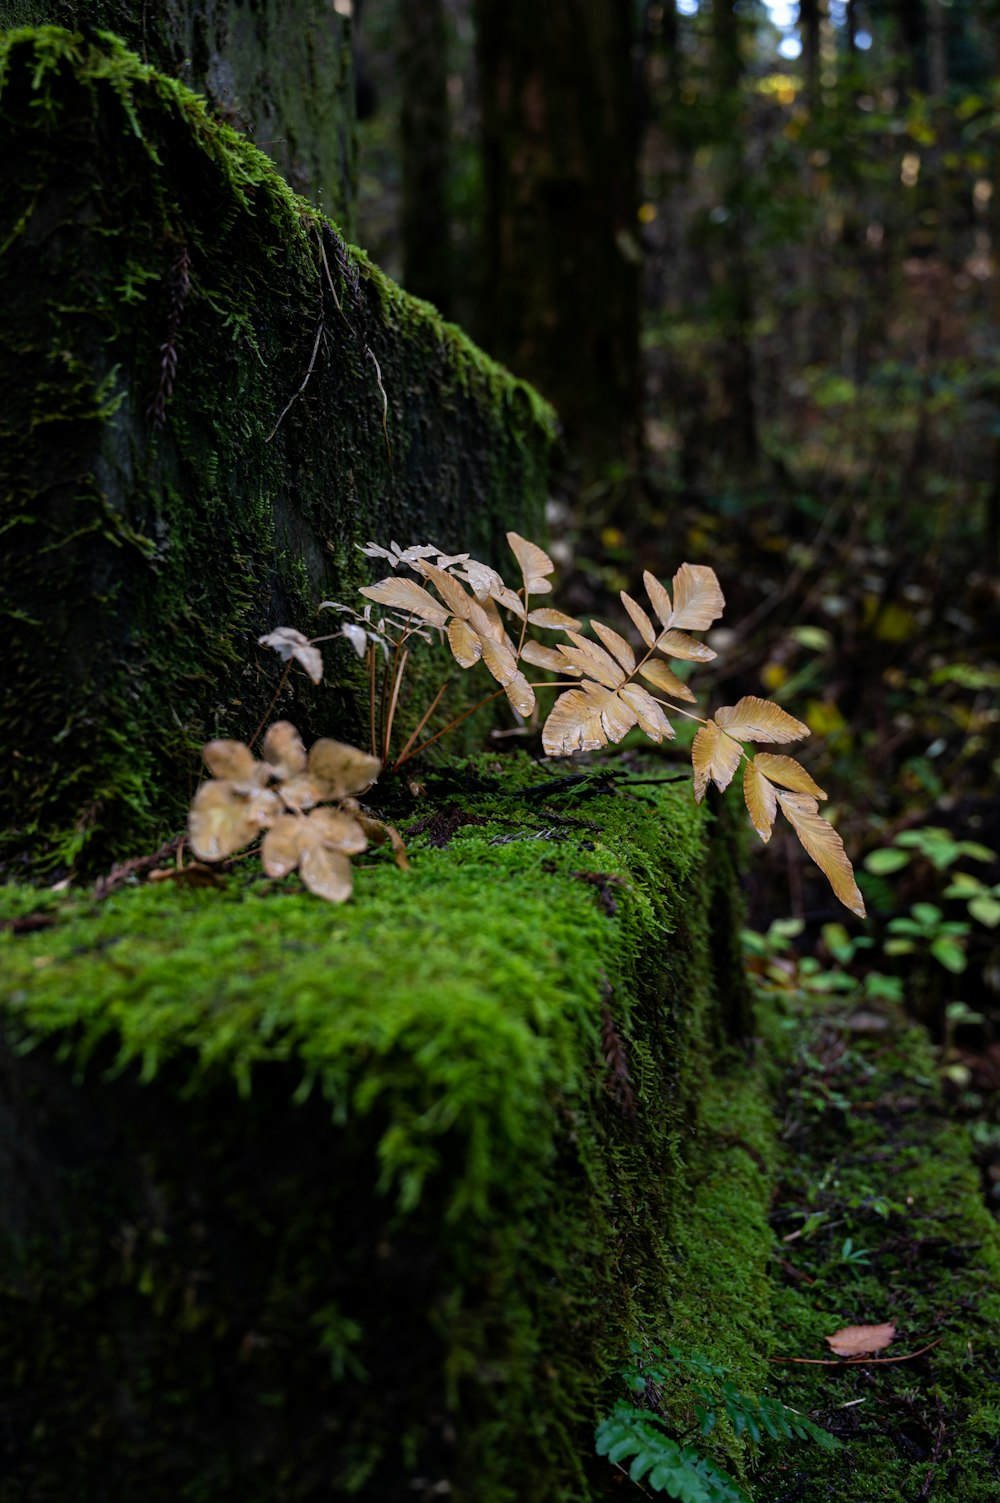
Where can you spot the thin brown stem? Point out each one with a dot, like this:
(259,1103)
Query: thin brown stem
(391,716)
(373,737)
(421,723)
(452,725)
(281,684)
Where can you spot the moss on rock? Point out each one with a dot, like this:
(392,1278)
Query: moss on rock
(209,399)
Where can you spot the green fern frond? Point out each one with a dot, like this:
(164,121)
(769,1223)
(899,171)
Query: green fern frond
(660,1462)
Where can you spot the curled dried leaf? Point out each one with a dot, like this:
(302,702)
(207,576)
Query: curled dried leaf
(648,712)
(592,659)
(665,679)
(224,817)
(338,770)
(640,620)
(698,597)
(761,800)
(282,846)
(715,758)
(520,694)
(677,644)
(659,598)
(406,595)
(378,833)
(234,762)
(547,617)
(466,645)
(289,643)
(548,657)
(455,597)
(787,772)
(535,564)
(326,873)
(500,660)
(821,841)
(283,750)
(616,645)
(337,829)
(573,725)
(754,719)
(503,595)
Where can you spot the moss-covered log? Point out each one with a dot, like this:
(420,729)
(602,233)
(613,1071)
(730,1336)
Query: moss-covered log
(279,71)
(301,1205)
(208,400)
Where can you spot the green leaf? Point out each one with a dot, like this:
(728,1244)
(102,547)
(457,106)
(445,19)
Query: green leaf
(927,913)
(880,863)
(949,954)
(986,909)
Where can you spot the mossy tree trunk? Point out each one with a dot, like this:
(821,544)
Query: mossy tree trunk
(561,287)
(279,71)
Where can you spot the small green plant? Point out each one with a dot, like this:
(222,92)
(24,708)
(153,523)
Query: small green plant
(637,1432)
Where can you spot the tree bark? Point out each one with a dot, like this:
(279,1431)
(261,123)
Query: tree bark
(560,137)
(424,134)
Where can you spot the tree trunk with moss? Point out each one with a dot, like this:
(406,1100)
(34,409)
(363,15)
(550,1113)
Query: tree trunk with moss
(208,402)
(279,71)
(560,301)
(424,139)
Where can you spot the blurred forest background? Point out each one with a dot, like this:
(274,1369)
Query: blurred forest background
(751,252)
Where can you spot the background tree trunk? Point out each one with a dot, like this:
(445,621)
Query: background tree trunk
(424,136)
(560,301)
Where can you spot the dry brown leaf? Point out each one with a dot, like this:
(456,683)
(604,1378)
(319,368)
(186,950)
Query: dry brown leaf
(821,841)
(754,719)
(787,772)
(481,579)
(500,660)
(379,833)
(289,643)
(300,793)
(698,597)
(593,660)
(282,845)
(616,645)
(546,616)
(337,829)
(761,799)
(509,599)
(640,620)
(535,564)
(233,762)
(861,1341)
(714,757)
(659,599)
(326,873)
(223,818)
(574,725)
(488,622)
(677,644)
(617,716)
(657,673)
(406,595)
(283,750)
(338,770)
(548,657)
(520,694)
(452,593)
(466,645)
(648,712)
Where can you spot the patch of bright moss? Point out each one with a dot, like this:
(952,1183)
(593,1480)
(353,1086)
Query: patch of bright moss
(311,1201)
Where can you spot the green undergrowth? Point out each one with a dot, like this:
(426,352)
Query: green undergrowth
(369,1202)
(209,400)
(879,1217)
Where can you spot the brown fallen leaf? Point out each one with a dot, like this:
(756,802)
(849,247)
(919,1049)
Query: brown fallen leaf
(860,1341)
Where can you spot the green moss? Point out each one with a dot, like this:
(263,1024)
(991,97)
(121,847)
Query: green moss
(880,1164)
(438,1254)
(144,560)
